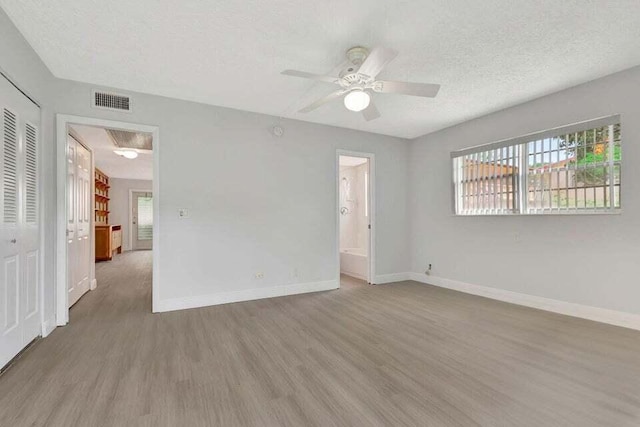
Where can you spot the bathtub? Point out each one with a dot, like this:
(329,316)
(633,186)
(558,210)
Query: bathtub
(354,263)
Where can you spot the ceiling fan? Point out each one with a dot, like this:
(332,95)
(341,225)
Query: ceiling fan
(358,79)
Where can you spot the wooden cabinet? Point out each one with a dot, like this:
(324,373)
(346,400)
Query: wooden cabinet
(108,241)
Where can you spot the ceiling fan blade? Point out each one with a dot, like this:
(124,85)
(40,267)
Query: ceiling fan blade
(407,88)
(371,112)
(376,60)
(311,76)
(332,96)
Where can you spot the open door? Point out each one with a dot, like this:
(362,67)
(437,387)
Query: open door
(78,219)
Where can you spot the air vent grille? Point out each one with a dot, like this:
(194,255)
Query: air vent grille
(111,101)
(125,139)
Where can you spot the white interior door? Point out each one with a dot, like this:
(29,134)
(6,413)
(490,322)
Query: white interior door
(20,225)
(78,219)
(141,220)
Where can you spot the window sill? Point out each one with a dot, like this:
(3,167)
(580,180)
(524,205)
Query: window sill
(595,213)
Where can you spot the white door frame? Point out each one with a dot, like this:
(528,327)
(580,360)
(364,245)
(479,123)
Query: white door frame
(130,214)
(62,123)
(372,209)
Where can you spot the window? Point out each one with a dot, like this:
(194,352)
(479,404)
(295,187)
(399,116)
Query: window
(145,218)
(573,169)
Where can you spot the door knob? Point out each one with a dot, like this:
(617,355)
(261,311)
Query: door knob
(13,240)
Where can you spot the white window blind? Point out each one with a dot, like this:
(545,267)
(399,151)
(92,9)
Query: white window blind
(572,169)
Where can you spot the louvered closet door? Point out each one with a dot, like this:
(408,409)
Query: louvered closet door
(19,228)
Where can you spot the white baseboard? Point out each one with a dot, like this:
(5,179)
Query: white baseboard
(603,315)
(48,326)
(391,278)
(94,284)
(245,295)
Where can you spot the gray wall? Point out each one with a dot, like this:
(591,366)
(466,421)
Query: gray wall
(119,203)
(257,203)
(590,259)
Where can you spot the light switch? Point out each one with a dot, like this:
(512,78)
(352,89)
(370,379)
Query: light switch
(183,213)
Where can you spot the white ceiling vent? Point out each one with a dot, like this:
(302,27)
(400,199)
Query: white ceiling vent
(110,101)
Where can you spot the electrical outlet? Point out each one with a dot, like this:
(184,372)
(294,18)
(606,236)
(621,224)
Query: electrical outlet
(428,272)
(260,275)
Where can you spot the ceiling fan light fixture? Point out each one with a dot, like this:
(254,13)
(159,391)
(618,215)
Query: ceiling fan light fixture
(127,154)
(359,79)
(357,100)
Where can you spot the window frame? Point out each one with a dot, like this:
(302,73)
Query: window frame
(520,145)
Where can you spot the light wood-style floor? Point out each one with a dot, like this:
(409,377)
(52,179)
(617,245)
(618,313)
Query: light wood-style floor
(401,354)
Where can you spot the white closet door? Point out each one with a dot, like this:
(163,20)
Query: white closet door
(30,240)
(20,222)
(79,219)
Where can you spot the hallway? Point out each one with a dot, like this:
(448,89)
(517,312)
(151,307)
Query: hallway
(82,364)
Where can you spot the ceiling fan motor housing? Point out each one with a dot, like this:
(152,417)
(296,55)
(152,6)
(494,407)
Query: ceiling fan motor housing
(349,77)
(357,55)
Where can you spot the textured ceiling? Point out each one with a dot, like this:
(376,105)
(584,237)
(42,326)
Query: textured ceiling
(110,163)
(486,54)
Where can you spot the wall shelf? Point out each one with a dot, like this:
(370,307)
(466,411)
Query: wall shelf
(101,198)
(108,237)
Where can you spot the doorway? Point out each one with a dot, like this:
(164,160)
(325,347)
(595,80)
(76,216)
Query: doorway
(103,165)
(102,161)
(355,218)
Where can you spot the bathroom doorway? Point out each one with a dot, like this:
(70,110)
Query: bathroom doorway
(355,215)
